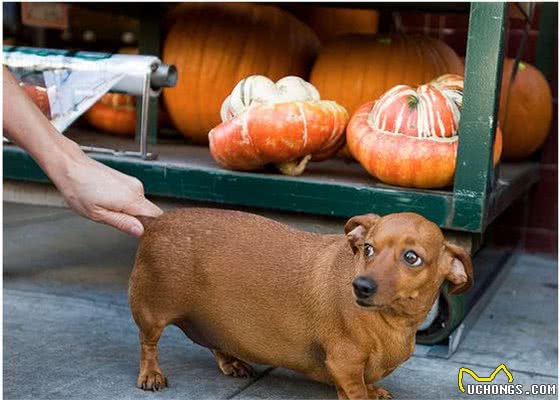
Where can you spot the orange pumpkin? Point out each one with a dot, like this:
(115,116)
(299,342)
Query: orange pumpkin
(409,136)
(39,96)
(331,22)
(214,46)
(285,124)
(354,69)
(529,112)
(114,113)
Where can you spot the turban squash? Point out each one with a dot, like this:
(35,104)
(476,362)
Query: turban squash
(529,110)
(283,123)
(356,68)
(214,46)
(409,136)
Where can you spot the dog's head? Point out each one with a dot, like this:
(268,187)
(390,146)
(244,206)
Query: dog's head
(401,261)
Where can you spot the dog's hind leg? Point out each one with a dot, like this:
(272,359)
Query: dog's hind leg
(150,376)
(232,366)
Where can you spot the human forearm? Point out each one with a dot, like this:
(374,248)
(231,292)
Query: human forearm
(26,126)
(89,187)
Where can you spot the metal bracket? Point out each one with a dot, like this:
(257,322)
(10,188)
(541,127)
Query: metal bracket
(143,151)
(144,119)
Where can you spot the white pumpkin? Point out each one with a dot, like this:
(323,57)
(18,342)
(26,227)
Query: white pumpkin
(258,89)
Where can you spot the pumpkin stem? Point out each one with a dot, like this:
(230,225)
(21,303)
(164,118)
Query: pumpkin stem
(294,167)
(412,101)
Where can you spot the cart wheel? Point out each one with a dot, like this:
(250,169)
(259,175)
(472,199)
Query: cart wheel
(452,310)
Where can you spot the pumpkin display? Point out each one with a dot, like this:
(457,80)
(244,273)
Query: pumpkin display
(114,113)
(356,68)
(283,123)
(529,110)
(331,22)
(409,136)
(39,96)
(214,46)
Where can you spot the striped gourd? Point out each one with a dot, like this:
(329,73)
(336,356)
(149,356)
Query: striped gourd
(409,136)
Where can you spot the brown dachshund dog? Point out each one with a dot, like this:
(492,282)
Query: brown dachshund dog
(341,309)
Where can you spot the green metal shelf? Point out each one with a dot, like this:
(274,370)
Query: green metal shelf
(334,187)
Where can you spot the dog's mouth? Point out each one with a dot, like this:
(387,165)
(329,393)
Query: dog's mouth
(370,305)
(363,303)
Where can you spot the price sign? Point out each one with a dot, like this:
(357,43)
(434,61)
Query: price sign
(45,15)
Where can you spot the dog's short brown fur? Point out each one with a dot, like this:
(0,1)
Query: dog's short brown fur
(253,290)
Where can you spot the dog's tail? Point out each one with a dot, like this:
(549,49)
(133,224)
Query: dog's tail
(146,221)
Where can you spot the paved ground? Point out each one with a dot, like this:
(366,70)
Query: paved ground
(68,333)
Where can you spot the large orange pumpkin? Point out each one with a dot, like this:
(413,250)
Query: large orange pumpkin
(529,112)
(283,123)
(409,136)
(114,113)
(354,69)
(331,22)
(214,46)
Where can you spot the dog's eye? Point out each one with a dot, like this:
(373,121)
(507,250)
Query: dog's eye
(368,250)
(412,259)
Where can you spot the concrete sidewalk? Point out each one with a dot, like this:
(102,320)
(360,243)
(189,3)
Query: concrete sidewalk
(68,333)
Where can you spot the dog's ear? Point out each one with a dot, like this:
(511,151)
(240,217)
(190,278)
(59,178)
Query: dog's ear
(460,269)
(357,227)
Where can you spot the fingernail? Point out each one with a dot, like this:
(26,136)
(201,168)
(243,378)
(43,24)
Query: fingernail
(137,230)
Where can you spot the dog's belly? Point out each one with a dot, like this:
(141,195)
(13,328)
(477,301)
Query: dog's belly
(199,331)
(252,341)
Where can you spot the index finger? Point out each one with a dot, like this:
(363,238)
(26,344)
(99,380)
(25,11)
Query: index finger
(145,208)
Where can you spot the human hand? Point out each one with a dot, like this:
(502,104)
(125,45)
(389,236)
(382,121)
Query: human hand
(102,194)
(89,187)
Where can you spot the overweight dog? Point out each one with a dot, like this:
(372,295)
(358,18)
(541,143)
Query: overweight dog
(341,309)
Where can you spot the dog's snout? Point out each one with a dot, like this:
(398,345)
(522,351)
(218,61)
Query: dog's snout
(364,287)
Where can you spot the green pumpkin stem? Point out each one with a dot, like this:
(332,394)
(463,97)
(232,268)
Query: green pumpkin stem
(412,101)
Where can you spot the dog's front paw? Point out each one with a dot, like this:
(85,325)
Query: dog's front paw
(376,392)
(151,380)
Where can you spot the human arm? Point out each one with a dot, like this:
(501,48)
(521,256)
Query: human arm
(90,188)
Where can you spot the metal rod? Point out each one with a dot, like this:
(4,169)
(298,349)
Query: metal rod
(144,116)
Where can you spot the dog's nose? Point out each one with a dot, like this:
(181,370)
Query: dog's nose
(364,287)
